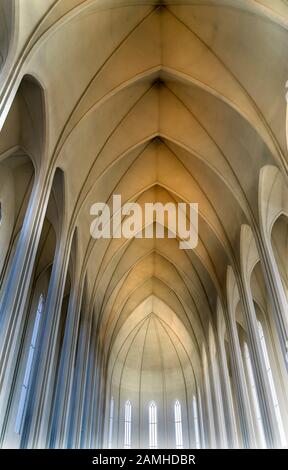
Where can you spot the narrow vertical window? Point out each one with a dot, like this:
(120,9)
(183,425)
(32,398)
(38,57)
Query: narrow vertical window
(111,419)
(127,422)
(28,369)
(196,423)
(272,386)
(152,425)
(254,395)
(178,425)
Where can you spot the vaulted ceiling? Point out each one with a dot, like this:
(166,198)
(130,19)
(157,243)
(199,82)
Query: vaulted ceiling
(175,100)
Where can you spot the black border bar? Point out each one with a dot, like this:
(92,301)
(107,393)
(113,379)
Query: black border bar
(132,458)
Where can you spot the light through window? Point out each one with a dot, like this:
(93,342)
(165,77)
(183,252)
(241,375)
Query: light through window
(272,386)
(127,421)
(28,369)
(196,423)
(153,425)
(178,425)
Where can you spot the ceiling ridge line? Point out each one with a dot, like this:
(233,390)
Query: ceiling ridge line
(197,310)
(184,306)
(56,150)
(281,155)
(138,261)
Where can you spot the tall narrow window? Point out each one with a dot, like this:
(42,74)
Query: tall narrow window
(28,369)
(254,395)
(111,418)
(196,423)
(128,422)
(272,386)
(178,425)
(152,425)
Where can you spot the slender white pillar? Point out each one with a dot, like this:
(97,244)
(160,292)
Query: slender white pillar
(231,435)
(265,399)
(94,432)
(209,402)
(78,391)
(244,410)
(273,201)
(12,310)
(201,418)
(62,402)
(41,391)
(277,295)
(246,420)
(249,257)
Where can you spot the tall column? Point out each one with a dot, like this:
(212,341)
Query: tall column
(62,401)
(70,435)
(87,395)
(101,408)
(76,412)
(272,201)
(220,436)
(85,377)
(208,403)
(219,420)
(94,431)
(91,398)
(227,398)
(244,411)
(201,418)
(249,257)
(246,420)
(276,293)
(12,310)
(264,393)
(42,384)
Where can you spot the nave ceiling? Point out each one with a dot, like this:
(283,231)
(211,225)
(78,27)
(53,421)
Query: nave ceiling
(168,101)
